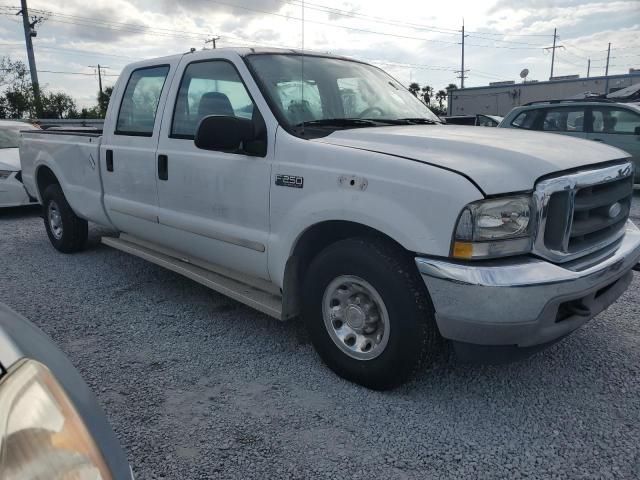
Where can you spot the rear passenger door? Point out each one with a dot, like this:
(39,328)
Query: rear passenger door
(619,127)
(127,152)
(565,120)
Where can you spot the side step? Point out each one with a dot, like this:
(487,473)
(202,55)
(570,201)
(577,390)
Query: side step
(265,302)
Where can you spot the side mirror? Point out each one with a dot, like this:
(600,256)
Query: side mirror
(223,133)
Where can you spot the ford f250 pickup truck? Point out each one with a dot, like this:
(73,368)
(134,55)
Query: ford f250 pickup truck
(318,187)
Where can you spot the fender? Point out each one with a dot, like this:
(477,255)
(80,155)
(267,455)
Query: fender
(415,204)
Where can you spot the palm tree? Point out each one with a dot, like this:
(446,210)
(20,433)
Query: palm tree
(451,86)
(414,88)
(441,96)
(427,92)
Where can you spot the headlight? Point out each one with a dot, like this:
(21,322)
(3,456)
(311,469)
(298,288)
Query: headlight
(494,228)
(42,435)
(4,174)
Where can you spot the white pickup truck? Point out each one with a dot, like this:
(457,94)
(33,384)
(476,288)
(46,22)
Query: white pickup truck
(317,186)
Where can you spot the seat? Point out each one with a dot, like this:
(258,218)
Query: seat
(215,103)
(609,124)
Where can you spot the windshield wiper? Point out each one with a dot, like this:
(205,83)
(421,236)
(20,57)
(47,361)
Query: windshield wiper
(406,121)
(339,122)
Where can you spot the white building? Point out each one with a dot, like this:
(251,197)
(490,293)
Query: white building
(500,97)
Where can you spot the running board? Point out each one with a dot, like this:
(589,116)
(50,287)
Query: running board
(253,297)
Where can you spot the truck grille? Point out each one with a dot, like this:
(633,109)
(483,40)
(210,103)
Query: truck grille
(583,212)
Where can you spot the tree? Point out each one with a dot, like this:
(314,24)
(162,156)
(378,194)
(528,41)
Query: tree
(17,99)
(451,86)
(414,88)
(441,96)
(427,92)
(103,100)
(58,105)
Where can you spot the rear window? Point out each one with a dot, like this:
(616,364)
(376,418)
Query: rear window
(615,121)
(10,136)
(139,105)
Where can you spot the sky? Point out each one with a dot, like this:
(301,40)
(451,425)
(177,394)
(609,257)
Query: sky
(415,41)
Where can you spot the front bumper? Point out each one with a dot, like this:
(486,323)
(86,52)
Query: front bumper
(526,301)
(13,193)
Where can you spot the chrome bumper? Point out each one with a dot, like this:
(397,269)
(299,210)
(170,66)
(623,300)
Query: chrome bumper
(524,301)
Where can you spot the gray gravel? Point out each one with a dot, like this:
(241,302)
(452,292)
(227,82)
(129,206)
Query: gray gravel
(198,386)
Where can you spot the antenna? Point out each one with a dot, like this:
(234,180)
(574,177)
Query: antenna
(302,72)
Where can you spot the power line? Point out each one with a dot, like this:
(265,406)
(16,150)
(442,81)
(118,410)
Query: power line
(373,32)
(443,30)
(142,29)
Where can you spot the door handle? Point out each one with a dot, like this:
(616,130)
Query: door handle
(109,154)
(163,167)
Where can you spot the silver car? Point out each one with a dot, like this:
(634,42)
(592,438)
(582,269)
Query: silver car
(51,425)
(613,123)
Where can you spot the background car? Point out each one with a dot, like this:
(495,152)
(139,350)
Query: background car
(613,123)
(51,425)
(12,192)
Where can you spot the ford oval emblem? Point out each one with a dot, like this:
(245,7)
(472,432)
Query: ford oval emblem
(614,210)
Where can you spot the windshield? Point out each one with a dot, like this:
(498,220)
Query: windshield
(333,89)
(9,137)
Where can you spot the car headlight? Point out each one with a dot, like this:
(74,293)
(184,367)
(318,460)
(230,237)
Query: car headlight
(42,435)
(494,228)
(4,174)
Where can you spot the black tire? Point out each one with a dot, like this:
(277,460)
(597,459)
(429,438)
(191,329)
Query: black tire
(413,333)
(73,234)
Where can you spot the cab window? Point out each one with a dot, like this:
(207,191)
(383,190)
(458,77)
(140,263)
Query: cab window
(209,88)
(564,120)
(615,121)
(140,101)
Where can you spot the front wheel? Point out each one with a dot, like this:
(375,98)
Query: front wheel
(368,313)
(67,232)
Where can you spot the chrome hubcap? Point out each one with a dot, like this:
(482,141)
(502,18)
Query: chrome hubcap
(355,317)
(55,220)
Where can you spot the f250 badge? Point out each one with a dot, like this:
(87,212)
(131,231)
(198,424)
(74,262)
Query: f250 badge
(289,181)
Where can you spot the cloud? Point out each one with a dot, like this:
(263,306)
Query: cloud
(585,27)
(246,8)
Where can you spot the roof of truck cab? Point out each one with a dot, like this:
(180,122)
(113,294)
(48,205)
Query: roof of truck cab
(242,52)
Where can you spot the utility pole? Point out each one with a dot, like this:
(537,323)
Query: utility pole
(99,68)
(553,50)
(462,71)
(29,32)
(588,67)
(606,71)
(212,40)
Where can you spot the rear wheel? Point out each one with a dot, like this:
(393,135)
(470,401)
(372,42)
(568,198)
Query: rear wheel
(368,313)
(67,232)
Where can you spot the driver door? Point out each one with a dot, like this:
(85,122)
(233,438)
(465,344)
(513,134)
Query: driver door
(212,205)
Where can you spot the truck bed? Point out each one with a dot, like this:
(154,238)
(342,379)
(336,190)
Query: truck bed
(73,155)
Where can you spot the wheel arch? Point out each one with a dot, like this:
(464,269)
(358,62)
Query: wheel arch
(309,243)
(45,177)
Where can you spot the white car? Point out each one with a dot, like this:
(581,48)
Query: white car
(12,191)
(344,201)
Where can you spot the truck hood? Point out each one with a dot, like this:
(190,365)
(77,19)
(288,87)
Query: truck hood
(497,160)
(10,159)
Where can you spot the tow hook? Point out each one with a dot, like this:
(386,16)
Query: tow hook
(578,308)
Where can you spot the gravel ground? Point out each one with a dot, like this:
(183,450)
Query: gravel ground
(198,386)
